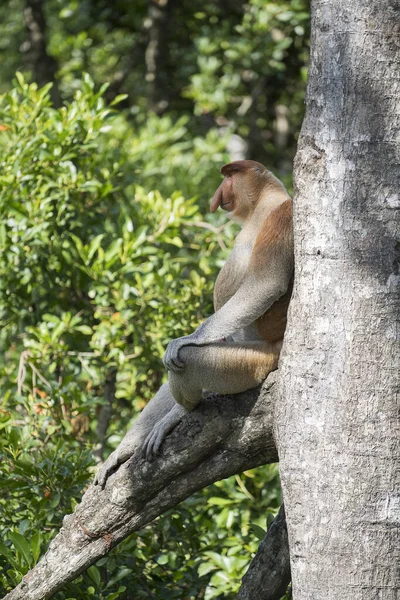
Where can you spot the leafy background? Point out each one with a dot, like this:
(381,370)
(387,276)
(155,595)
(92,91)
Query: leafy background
(107,251)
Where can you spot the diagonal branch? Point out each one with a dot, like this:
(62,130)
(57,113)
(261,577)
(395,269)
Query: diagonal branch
(268,575)
(224,436)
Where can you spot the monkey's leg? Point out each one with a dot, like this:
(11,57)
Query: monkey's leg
(225,368)
(154,411)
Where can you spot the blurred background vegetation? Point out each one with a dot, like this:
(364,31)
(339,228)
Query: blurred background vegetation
(107,251)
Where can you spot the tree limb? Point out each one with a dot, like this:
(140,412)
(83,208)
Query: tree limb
(268,575)
(224,436)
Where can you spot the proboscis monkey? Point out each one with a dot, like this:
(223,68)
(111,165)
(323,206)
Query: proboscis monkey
(235,348)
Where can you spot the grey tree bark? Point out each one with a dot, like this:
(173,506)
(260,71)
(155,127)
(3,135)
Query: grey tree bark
(337,421)
(158,24)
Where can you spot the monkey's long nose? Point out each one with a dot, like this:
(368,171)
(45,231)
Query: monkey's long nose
(216,199)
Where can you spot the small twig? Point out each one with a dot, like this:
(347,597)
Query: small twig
(86,367)
(22,370)
(34,385)
(244,488)
(71,353)
(213,229)
(62,401)
(205,225)
(38,373)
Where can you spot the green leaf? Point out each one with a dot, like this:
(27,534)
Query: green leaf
(205,568)
(120,575)
(118,99)
(22,546)
(20,78)
(94,575)
(116,594)
(6,552)
(257,530)
(95,245)
(50,318)
(85,329)
(36,541)
(217,501)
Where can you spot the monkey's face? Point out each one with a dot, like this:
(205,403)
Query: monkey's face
(240,189)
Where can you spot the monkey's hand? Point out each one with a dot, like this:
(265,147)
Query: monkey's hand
(172,361)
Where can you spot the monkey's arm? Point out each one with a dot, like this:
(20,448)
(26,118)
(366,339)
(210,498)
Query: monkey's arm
(260,289)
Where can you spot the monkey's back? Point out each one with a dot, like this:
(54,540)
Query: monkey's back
(271,326)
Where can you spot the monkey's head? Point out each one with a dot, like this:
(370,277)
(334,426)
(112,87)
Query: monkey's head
(243,184)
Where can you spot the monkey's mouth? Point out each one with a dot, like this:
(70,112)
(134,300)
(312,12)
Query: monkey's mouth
(226,205)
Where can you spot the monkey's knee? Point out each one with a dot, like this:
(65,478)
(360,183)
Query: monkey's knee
(186,385)
(183,391)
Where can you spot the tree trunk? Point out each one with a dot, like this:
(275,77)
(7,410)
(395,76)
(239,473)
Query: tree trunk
(157,54)
(337,423)
(44,66)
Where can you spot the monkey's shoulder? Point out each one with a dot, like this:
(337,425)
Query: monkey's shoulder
(277,229)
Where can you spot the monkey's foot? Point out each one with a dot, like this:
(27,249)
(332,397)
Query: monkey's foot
(160,431)
(113,462)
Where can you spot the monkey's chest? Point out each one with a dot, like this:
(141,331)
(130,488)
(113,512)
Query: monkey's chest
(231,276)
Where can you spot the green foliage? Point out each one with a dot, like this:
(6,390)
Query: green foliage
(107,252)
(96,275)
(235,64)
(248,74)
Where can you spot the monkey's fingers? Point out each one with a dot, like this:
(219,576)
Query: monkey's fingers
(152,443)
(111,465)
(157,435)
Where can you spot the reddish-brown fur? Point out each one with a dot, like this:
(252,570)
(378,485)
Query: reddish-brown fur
(276,231)
(271,326)
(275,236)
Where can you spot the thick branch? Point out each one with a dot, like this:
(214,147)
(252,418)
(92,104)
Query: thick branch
(226,435)
(269,573)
